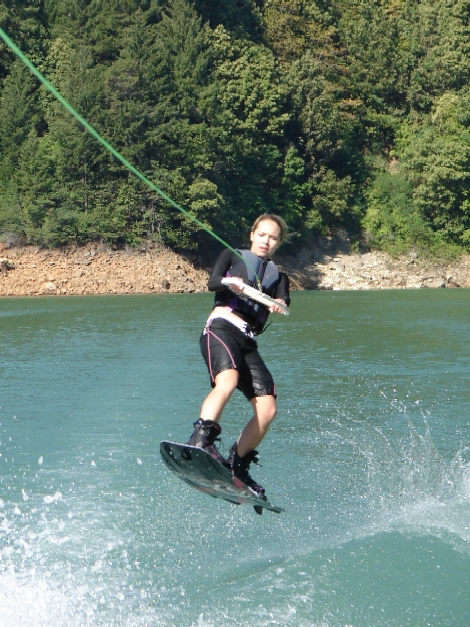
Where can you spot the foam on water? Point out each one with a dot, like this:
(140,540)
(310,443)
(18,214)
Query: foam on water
(402,483)
(39,601)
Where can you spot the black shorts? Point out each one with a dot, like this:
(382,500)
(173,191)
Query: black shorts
(224,346)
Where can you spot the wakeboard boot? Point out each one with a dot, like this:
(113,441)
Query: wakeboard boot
(240,469)
(205,434)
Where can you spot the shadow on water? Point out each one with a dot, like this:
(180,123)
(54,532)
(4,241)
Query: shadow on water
(369,456)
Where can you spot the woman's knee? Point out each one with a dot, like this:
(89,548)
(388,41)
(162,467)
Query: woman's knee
(265,408)
(272,412)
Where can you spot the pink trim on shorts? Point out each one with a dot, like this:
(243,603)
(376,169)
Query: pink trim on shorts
(209,332)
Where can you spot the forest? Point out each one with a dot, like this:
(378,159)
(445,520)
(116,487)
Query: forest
(340,115)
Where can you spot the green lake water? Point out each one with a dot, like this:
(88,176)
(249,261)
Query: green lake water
(369,455)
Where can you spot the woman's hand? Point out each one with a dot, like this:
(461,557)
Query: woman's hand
(275,308)
(236,284)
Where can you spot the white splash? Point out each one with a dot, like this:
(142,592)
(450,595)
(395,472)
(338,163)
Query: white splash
(52,499)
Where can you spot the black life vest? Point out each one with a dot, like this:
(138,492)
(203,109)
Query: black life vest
(258,272)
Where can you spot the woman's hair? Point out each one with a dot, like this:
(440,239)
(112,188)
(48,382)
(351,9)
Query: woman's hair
(284,229)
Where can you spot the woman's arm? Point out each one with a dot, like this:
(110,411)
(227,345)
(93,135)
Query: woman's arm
(224,261)
(282,290)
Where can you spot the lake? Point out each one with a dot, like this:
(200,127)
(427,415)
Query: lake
(369,456)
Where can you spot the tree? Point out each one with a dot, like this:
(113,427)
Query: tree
(435,158)
(296,27)
(35,179)
(440,31)
(242,18)
(247,106)
(26,24)
(19,116)
(392,221)
(19,111)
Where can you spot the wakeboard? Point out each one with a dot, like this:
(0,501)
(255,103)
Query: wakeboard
(200,470)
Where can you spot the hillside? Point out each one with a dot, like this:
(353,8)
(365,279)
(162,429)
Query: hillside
(345,115)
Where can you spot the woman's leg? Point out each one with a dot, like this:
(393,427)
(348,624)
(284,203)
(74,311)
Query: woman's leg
(214,404)
(265,411)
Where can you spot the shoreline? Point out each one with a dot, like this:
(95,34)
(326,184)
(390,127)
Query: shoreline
(98,269)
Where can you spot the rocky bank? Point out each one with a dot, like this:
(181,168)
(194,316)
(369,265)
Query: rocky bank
(98,269)
(376,270)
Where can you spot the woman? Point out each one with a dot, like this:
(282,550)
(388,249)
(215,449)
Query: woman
(230,350)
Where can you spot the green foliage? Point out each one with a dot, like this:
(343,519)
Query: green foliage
(391,222)
(370,32)
(295,27)
(436,159)
(240,17)
(236,108)
(246,108)
(331,203)
(35,180)
(117,213)
(19,111)
(26,23)
(10,211)
(441,38)
(297,189)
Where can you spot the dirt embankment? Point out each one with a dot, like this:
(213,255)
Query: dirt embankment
(31,271)
(97,269)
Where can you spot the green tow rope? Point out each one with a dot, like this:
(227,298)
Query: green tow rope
(108,147)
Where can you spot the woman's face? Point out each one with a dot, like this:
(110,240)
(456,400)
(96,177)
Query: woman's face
(265,238)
